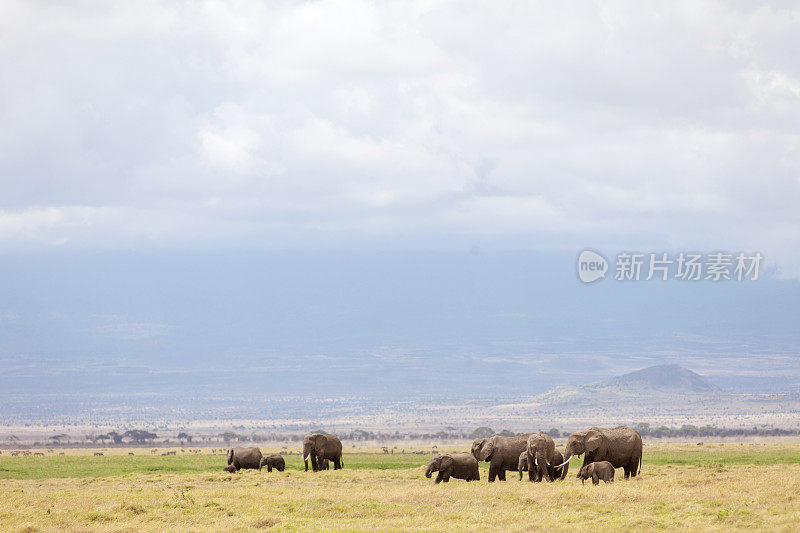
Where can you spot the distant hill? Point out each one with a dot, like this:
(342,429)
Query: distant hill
(661,378)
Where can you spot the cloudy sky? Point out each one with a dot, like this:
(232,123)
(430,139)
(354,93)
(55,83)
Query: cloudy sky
(358,124)
(365,192)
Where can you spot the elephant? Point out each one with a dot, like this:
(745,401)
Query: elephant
(543,458)
(273,461)
(229,468)
(523,463)
(240,458)
(501,452)
(318,447)
(597,471)
(620,446)
(456,465)
(323,465)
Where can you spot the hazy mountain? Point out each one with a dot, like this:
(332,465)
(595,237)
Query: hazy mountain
(662,378)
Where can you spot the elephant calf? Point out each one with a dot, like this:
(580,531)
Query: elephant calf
(597,471)
(456,465)
(273,461)
(523,463)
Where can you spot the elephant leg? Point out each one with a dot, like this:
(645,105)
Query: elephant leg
(634,467)
(501,475)
(269,468)
(595,479)
(492,472)
(337,463)
(446,474)
(438,478)
(627,471)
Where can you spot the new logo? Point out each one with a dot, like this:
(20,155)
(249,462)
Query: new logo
(591,266)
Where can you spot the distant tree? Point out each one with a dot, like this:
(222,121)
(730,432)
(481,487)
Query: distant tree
(228,436)
(183,436)
(506,433)
(358,434)
(554,432)
(689,430)
(139,436)
(115,436)
(57,438)
(102,438)
(482,433)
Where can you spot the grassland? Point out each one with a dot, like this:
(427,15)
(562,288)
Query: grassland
(681,487)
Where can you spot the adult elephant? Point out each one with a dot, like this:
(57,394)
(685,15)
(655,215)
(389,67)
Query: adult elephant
(239,458)
(320,446)
(502,453)
(620,446)
(543,458)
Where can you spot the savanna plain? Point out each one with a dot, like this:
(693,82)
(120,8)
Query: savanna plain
(682,486)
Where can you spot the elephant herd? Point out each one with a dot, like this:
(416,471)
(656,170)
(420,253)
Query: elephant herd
(603,449)
(321,449)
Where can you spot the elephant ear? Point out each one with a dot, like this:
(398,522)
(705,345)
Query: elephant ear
(319,442)
(593,442)
(486,450)
(446,462)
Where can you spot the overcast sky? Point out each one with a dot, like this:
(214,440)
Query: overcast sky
(336,123)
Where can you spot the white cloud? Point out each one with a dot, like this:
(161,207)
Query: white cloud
(665,124)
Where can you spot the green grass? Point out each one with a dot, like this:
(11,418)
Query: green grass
(80,466)
(115,465)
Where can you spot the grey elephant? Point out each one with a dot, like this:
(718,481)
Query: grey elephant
(620,446)
(319,447)
(597,471)
(501,452)
(273,461)
(543,458)
(456,465)
(239,458)
(324,464)
(523,463)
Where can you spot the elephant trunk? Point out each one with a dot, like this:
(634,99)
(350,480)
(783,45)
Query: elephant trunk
(429,471)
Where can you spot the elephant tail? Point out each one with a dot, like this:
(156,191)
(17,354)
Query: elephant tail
(638,472)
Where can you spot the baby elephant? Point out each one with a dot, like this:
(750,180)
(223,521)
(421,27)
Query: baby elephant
(523,463)
(229,468)
(456,465)
(273,461)
(597,471)
(323,464)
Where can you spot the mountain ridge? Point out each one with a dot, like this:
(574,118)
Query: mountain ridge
(670,378)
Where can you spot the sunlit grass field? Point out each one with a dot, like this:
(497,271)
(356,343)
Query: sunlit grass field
(709,487)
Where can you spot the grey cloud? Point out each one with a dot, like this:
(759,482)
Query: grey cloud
(670,124)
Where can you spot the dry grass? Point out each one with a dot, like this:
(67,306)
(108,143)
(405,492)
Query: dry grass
(717,495)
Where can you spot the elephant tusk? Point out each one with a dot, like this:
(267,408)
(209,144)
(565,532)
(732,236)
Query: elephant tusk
(305,458)
(565,462)
(536,461)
